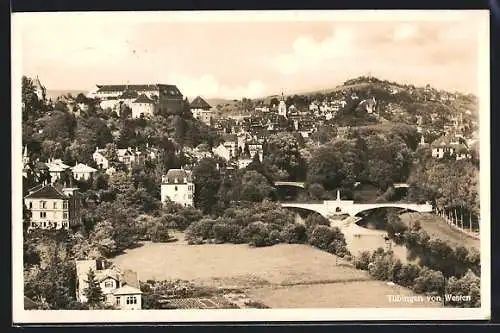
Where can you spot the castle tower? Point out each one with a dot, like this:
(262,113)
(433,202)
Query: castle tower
(282,106)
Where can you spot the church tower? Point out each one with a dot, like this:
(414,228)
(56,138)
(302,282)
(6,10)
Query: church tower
(282,106)
(26,158)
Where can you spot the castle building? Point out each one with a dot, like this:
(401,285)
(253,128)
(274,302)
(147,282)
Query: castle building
(178,187)
(201,110)
(143,106)
(167,97)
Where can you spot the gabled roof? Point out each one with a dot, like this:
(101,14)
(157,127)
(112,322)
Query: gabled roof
(199,103)
(144,99)
(80,167)
(176,174)
(47,192)
(126,290)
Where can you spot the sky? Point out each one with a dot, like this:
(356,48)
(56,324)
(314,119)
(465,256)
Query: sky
(251,55)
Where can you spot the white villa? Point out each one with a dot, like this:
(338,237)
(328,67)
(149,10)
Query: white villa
(82,171)
(178,186)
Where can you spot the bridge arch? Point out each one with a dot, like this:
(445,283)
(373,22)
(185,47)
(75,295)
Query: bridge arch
(410,207)
(315,207)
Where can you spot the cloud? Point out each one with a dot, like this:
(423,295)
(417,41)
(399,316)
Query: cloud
(309,54)
(208,86)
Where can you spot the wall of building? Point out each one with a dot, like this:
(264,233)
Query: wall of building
(182,194)
(146,109)
(133,304)
(53,214)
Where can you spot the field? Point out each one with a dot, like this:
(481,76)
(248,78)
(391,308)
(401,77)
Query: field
(436,227)
(284,275)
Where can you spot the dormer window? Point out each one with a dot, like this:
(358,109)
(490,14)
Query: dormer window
(176,180)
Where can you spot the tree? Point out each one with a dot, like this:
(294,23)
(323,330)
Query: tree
(254,187)
(316,191)
(93,291)
(335,165)
(283,157)
(207,180)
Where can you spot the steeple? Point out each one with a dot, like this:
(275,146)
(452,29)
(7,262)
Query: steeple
(26,158)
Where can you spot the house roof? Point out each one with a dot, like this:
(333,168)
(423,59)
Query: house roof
(199,103)
(176,174)
(47,192)
(144,99)
(126,290)
(80,167)
(57,165)
(129,94)
(123,152)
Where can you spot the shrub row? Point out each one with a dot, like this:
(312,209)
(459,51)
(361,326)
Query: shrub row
(382,265)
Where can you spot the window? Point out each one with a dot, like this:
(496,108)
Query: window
(43,215)
(31,204)
(54,205)
(65,224)
(42,204)
(176,188)
(117,300)
(131,300)
(65,204)
(65,215)
(109,284)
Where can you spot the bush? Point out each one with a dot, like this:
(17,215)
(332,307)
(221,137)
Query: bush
(338,248)
(200,230)
(321,237)
(363,260)
(407,275)
(294,234)
(225,232)
(429,282)
(257,234)
(315,219)
(468,285)
(158,232)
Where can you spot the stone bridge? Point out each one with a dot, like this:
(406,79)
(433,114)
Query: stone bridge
(330,208)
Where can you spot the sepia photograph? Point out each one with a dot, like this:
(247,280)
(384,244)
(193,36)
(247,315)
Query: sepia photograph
(250,166)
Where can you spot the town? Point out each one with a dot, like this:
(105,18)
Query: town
(363,172)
